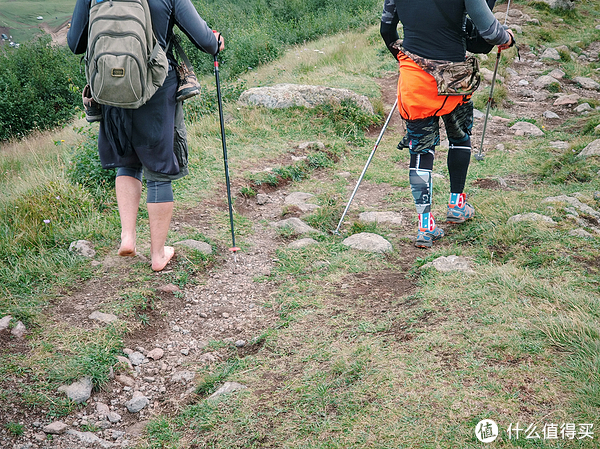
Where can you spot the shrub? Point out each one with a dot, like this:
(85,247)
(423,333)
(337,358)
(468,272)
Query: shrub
(40,87)
(86,170)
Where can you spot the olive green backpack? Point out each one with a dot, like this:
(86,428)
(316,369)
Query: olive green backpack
(124,63)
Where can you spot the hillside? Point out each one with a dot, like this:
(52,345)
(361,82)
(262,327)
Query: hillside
(325,346)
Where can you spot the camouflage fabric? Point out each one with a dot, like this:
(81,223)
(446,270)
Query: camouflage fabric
(423,135)
(452,78)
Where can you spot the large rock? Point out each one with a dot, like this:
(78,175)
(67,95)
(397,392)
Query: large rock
(78,392)
(551,53)
(296,225)
(532,217)
(287,95)
(450,263)
(299,199)
(593,149)
(559,4)
(526,129)
(366,241)
(574,202)
(567,100)
(586,83)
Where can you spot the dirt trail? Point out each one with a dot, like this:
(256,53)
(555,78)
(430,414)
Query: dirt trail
(226,305)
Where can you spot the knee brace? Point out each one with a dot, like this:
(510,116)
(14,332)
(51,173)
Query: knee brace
(419,177)
(159,192)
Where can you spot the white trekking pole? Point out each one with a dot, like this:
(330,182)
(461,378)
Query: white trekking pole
(337,230)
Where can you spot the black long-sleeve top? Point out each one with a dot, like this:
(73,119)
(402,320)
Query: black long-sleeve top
(435,35)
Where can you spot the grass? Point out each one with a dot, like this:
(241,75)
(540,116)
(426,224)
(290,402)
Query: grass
(21,16)
(367,351)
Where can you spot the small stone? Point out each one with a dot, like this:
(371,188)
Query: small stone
(551,115)
(4,323)
(156,354)
(137,358)
(79,391)
(137,403)
(169,288)
(261,199)
(56,428)
(183,376)
(105,318)
(125,380)
(83,248)
(185,351)
(225,315)
(102,409)
(123,363)
(227,388)
(366,241)
(113,417)
(302,243)
(19,330)
(240,343)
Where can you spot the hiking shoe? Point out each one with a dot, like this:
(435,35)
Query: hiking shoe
(93,111)
(188,83)
(425,239)
(458,214)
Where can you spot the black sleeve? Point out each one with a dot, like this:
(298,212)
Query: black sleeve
(389,26)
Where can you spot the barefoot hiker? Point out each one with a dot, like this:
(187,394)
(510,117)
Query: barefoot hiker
(433,37)
(149,139)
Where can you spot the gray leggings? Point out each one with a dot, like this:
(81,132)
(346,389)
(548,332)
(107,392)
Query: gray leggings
(158,191)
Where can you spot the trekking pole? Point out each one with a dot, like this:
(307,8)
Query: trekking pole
(233,249)
(337,230)
(479,156)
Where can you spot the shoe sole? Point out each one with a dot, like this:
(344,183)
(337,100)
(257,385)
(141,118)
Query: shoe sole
(185,94)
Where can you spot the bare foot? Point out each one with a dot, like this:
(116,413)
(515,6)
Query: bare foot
(126,250)
(160,263)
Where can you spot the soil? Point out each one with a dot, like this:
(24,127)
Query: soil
(225,303)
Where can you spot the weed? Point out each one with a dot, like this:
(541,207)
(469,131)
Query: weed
(15,429)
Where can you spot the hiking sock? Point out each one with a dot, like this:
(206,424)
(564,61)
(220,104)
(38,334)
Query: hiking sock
(419,176)
(459,157)
(457,200)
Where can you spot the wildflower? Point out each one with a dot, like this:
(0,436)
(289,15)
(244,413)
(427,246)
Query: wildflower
(47,221)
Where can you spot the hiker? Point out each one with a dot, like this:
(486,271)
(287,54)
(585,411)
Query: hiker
(150,140)
(433,35)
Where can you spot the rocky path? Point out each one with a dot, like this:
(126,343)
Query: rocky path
(225,312)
